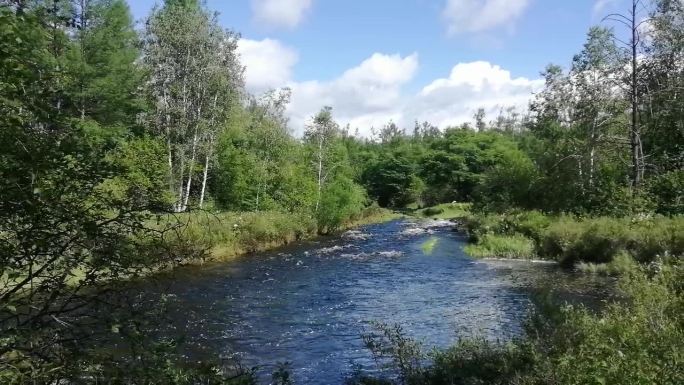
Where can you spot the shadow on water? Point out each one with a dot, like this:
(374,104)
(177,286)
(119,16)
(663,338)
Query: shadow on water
(309,303)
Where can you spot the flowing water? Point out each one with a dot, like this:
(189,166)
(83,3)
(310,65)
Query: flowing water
(310,303)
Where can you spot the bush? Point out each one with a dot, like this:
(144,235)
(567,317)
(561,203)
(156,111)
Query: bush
(599,240)
(571,240)
(502,246)
(668,192)
(531,224)
(622,264)
(432,211)
(340,200)
(634,341)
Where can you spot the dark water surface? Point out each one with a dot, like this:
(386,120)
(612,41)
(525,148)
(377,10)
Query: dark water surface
(309,304)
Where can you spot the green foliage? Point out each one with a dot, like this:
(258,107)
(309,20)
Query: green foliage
(432,211)
(510,184)
(599,240)
(229,234)
(668,191)
(636,341)
(448,211)
(454,165)
(502,246)
(621,264)
(340,200)
(392,179)
(142,172)
(106,79)
(571,240)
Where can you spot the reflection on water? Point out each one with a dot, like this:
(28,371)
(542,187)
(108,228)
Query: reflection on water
(309,304)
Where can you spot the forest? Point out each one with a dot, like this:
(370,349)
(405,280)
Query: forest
(126,152)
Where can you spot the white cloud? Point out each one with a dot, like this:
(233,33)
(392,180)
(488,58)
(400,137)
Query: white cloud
(453,100)
(372,92)
(365,95)
(280,13)
(268,63)
(464,16)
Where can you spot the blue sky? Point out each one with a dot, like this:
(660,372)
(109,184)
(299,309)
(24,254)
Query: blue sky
(375,60)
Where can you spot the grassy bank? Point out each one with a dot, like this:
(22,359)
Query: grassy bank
(228,234)
(576,241)
(445,211)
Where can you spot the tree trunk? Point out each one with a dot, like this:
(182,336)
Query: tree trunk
(206,172)
(320,171)
(634,137)
(204,181)
(188,185)
(179,198)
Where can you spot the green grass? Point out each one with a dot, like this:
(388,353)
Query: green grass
(446,211)
(429,245)
(571,240)
(622,264)
(230,234)
(502,246)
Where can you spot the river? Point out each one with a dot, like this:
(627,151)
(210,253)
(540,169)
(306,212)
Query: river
(309,303)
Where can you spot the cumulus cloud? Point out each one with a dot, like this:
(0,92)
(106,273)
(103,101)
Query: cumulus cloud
(268,63)
(362,96)
(372,92)
(465,16)
(453,100)
(280,13)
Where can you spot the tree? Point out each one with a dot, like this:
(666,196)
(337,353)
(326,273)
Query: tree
(479,117)
(391,133)
(102,63)
(597,102)
(195,79)
(73,213)
(662,111)
(320,136)
(632,22)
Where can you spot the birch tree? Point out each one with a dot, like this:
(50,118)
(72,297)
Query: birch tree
(633,20)
(195,78)
(597,98)
(320,135)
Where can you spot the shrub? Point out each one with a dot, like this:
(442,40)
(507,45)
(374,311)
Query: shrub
(633,341)
(599,240)
(622,264)
(668,191)
(502,246)
(432,211)
(340,200)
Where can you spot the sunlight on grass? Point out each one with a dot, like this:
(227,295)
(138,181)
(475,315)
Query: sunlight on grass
(447,211)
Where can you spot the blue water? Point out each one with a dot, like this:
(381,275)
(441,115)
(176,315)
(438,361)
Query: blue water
(309,304)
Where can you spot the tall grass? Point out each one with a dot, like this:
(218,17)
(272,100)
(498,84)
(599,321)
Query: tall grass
(502,246)
(229,234)
(572,240)
(447,211)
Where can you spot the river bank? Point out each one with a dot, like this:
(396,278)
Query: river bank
(601,245)
(224,236)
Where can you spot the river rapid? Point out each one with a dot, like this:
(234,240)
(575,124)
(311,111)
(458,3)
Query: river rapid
(308,304)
